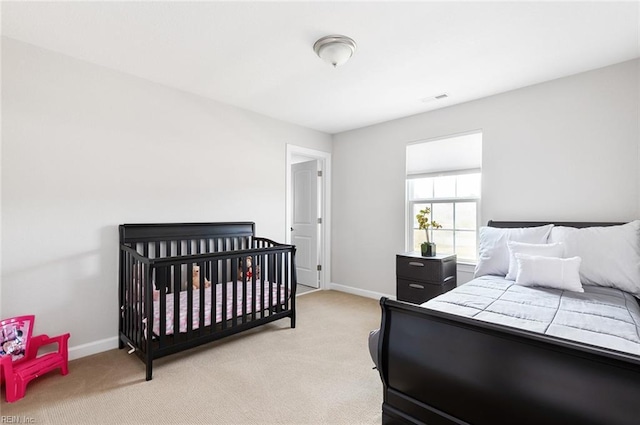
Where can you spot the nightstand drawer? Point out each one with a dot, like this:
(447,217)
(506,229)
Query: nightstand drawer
(419,292)
(418,278)
(418,269)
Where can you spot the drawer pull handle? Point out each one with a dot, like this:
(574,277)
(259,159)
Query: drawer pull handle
(448,278)
(416,264)
(415,285)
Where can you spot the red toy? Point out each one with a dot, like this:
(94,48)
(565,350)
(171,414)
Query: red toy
(19,361)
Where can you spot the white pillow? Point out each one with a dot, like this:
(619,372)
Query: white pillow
(549,272)
(610,255)
(541,249)
(493,256)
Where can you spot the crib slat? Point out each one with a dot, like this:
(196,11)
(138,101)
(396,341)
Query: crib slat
(163,312)
(264,297)
(130,304)
(201,289)
(212,289)
(135,306)
(279,281)
(147,331)
(189,297)
(264,294)
(214,293)
(223,280)
(254,294)
(271,279)
(176,299)
(244,290)
(140,308)
(127,295)
(234,283)
(286,280)
(161,286)
(139,305)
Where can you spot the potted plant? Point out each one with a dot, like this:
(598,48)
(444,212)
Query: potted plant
(428,248)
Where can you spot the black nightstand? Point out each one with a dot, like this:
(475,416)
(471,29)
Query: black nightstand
(418,278)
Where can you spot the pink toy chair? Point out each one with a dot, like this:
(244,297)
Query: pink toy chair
(19,361)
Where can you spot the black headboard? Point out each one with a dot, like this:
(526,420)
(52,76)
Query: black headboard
(579,224)
(134,233)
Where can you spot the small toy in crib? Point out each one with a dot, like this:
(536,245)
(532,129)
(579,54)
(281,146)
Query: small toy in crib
(248,268)
(195,278)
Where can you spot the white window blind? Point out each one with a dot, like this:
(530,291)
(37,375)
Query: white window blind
(445,156)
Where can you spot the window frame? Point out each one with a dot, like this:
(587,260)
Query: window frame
(410,204)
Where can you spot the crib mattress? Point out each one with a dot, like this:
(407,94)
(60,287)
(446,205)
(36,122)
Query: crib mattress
(263,290)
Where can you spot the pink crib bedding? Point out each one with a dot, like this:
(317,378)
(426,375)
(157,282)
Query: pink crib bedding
(261,289)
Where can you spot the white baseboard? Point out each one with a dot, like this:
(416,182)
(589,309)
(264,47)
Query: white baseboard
(308,292)
(360,292)
(95,347)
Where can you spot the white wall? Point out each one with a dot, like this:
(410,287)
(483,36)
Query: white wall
(562,150)
(85,148)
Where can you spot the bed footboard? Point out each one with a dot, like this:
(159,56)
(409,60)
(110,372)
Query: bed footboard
(439,368)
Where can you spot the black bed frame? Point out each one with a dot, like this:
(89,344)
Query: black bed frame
(162,256)
(438,368)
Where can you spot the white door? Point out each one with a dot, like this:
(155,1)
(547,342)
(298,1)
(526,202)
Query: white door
(304,229)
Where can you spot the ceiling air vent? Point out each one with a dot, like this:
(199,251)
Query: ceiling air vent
(438,97)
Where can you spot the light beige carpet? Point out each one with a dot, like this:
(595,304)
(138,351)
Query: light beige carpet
(318,373)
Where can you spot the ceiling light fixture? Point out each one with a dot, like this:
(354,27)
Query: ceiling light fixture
(335,49)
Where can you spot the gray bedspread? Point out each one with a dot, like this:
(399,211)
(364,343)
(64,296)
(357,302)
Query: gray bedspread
(603,317)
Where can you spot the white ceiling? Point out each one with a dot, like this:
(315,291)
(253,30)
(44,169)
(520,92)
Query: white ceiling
(259,56)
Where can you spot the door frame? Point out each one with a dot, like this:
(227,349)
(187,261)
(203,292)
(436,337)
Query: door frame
(324,165)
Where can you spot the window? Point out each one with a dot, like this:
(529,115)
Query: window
(445,175)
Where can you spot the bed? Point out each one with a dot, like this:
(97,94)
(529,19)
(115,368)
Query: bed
(184,285)
(476,355)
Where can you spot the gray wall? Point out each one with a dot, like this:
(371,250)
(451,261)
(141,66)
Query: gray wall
(85,148)
(566,149)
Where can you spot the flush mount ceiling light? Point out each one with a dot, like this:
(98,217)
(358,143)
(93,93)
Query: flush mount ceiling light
(335,49)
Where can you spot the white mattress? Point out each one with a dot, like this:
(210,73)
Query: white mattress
(604,317)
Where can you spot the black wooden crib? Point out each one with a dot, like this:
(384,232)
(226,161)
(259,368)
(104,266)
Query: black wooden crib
(183,285)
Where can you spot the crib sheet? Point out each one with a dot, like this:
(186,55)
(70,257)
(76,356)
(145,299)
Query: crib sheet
(262,299)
